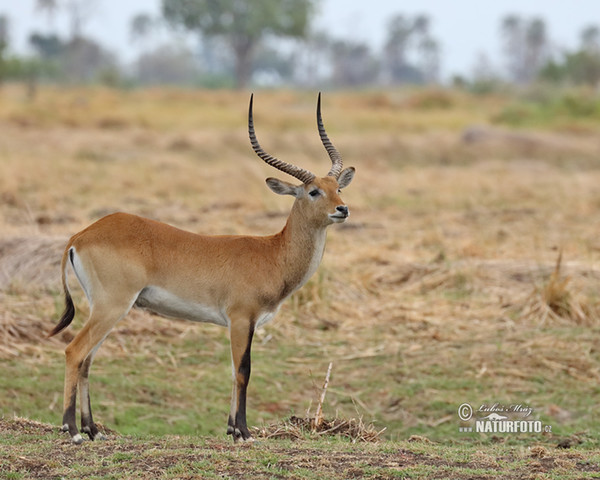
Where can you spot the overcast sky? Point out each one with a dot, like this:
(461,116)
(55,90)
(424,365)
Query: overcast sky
(465,28)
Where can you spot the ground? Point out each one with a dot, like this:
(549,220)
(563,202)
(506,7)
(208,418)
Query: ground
(36,450)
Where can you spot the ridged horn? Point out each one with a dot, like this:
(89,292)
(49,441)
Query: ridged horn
(334,155)
(301,174)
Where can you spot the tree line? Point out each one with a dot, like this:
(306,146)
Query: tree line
(274,42)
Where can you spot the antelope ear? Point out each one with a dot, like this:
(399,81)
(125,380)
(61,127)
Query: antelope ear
(346,177)
(284,188)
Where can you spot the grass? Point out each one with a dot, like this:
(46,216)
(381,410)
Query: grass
(443,288)
(34,450)
(574,109)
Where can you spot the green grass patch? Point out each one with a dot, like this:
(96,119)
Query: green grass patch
(575,109)
(52,455)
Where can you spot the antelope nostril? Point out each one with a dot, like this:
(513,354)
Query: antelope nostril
(342,209)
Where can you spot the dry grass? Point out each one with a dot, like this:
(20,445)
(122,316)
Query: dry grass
(316,426)
(30,262)
(296,428)
(447,270)
(558,301)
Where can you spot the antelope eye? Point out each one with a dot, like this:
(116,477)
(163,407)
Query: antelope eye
(314,193)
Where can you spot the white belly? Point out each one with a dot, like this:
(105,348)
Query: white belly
(265,317)
(165,303)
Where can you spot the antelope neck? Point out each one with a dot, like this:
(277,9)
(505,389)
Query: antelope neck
(302,249)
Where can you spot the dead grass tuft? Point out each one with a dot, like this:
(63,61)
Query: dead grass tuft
(314,427)
(556,295)
(21,335)
(27,262)
(538,451)
(555,301)
(26,317)
(296,428)
(419,439)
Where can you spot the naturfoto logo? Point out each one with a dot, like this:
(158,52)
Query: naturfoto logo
(499,418)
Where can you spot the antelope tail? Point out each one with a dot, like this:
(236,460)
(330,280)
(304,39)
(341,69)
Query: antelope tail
(69,312)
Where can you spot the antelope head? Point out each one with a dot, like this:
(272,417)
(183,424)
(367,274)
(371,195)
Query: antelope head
(317,197)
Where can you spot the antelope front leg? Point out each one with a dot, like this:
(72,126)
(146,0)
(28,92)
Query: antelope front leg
(233,408)
(241,334)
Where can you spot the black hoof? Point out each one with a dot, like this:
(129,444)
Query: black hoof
(93,433)
(239,435)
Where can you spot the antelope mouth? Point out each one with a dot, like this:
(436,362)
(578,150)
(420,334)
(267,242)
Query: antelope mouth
(338,217)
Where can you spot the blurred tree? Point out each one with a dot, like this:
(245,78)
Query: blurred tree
(78,59)
(406,35)
(580,67)
(484,78)
(537,48)
(583,68)
(512,32)
(526,47)
(312,62)
(353,64)
(141,27)
(168,64)
(273,67)
(400,31)
(590,38)
(429,52)
(49,7)
(243,23)
(79,11)
(13,67)
(85,60)
(553,72)
(4,26)
(586,64)
(48,47)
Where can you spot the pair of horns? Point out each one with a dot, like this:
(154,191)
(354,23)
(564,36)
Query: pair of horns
(305,176)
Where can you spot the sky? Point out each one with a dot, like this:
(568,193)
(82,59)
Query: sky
(465,28)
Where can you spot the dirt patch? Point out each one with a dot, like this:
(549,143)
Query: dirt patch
(24,426)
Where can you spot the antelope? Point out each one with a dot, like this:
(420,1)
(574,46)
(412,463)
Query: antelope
(236,281)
